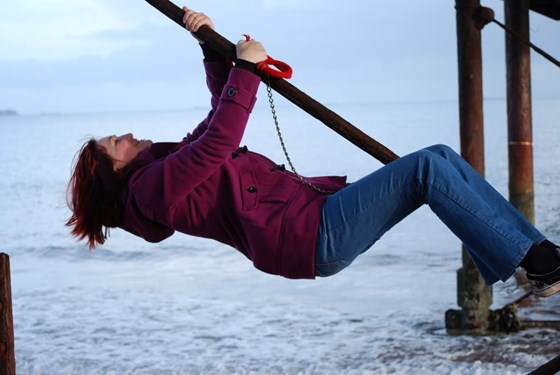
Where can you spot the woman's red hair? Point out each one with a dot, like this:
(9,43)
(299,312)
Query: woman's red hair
(93,195)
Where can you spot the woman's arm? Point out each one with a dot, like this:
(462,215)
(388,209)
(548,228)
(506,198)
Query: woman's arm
(216,67)
(164,183)
(217,73)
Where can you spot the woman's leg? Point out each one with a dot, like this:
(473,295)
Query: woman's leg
(358,215)
(487,192)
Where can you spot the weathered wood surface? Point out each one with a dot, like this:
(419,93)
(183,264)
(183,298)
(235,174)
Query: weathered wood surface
(549,368)
(7,353)
(284,88)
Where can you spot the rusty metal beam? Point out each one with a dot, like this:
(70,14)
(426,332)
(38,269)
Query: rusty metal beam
(473,295)
(548,8)
(469,54)
(519,109)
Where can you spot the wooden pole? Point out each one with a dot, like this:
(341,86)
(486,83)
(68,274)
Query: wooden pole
(549,368)
(284,88)
(7,353)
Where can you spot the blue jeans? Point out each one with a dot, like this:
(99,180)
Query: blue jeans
(495,234)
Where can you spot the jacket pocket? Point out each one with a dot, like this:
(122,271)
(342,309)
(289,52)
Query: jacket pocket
(249,190)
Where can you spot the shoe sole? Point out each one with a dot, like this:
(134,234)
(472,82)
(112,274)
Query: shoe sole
(547,291)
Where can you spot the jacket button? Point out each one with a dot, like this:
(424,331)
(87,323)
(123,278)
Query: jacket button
(232,91)
(252,189)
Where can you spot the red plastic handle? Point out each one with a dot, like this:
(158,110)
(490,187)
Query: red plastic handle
(272,67)
(275,68)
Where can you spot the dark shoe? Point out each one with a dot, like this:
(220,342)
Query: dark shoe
(546,284)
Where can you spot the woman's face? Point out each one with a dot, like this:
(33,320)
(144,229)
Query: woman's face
(123,149)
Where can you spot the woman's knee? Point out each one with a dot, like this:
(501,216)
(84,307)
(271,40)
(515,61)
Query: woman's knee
(420,163)
(442,150)
(423,154)
(431,161)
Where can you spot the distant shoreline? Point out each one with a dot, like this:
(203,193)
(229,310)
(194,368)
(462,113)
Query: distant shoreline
(8,112)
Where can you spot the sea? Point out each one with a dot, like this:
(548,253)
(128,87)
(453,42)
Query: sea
(194,306)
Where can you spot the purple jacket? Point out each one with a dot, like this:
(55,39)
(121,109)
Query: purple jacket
(206,186)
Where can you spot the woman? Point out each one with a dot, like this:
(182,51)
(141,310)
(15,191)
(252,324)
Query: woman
(208,186)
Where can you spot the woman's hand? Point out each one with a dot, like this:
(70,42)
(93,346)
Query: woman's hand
(194,20)
(251,50)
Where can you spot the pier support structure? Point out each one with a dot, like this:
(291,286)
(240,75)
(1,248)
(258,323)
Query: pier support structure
(473,295)
(519,109)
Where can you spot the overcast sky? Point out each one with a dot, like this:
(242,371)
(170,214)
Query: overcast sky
(107,55)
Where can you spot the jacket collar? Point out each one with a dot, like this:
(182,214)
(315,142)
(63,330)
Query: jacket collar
(157,151)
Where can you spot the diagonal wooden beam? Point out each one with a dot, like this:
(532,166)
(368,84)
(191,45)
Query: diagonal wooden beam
(284,88)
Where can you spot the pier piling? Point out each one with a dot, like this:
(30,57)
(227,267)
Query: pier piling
(473,295)
(519,109)
(7,352)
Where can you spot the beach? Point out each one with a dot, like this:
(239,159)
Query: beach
(194,306)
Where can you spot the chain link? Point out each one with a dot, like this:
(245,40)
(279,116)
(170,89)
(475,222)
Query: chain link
(275,118)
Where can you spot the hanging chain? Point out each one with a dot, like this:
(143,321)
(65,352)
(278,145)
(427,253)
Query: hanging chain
(275,118)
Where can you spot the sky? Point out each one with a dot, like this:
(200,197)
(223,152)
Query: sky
(81,56)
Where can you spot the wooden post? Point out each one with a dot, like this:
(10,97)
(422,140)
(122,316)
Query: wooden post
(549,368)
(7,353)
(284,88)
(473,295)
(520,132)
